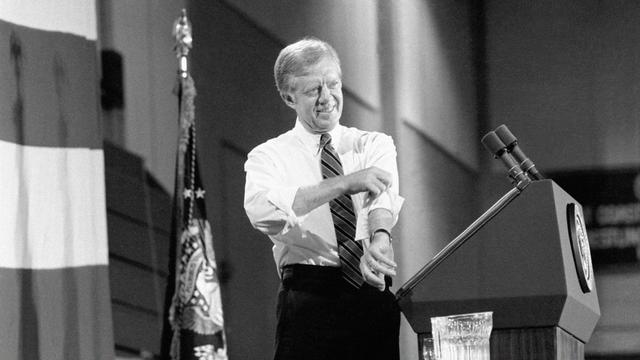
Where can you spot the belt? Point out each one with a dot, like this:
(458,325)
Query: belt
(317,278)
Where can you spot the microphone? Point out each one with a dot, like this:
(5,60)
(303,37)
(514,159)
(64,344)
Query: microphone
(498,149)
(512,147)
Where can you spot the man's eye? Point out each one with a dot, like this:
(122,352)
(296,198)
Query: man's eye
(312,92)
(334,84)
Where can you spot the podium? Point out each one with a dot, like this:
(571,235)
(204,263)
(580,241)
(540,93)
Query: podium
(530,264)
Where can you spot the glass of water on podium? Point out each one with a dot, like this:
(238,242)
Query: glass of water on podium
(462,336)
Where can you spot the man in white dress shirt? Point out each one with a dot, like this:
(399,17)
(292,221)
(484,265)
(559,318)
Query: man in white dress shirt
(324,311)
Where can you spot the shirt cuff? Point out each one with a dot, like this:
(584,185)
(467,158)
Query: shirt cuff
(282,198)
(387,200)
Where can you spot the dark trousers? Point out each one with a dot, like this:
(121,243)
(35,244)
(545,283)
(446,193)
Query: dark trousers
(321,317)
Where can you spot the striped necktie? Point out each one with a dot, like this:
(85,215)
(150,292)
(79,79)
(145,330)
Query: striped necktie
(344,217)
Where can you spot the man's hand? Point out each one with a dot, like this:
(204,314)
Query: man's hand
(372,179)
(377,261)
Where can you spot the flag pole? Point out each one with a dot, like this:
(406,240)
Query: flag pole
(195,309)
(184,43)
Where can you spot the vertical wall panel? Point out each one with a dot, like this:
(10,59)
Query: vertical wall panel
(433,106)
(350,26)
(436,88)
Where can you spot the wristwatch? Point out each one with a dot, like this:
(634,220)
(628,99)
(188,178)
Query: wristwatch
(381,230)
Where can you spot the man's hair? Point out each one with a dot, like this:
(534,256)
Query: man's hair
(297,56)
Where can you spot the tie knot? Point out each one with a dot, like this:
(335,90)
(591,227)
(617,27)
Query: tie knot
(324,140)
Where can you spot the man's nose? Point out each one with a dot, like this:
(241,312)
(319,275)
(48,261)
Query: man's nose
(324,94)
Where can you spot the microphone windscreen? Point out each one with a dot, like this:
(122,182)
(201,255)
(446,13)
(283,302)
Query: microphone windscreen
(492,142)
(505,135)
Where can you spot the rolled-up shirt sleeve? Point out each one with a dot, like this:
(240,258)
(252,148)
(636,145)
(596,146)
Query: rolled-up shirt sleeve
(268,200)
(381,153)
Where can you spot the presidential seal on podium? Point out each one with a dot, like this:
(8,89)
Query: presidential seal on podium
(580,247)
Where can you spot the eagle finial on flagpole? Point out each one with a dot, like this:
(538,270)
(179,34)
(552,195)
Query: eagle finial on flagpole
(184,42)
(185,89)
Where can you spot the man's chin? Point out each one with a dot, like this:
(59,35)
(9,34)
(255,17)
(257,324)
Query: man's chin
(327,123)
(323,127)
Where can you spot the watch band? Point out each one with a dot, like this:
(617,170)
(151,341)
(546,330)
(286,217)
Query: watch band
(381,230)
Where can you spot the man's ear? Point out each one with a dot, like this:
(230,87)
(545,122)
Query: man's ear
(288,99)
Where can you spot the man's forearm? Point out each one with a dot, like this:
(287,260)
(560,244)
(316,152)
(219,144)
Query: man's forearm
(371,179)
(380,219)
(310,197)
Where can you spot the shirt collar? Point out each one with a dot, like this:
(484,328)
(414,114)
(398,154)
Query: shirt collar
(311,141)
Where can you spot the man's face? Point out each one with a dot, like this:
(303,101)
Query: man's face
(316,96)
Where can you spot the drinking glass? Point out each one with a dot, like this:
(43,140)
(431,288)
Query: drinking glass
(462,336)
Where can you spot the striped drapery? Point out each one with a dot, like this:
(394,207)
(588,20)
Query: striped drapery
(55,298)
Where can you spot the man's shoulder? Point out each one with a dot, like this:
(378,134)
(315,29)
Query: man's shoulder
(364,138)
(359,132)
(275,144)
